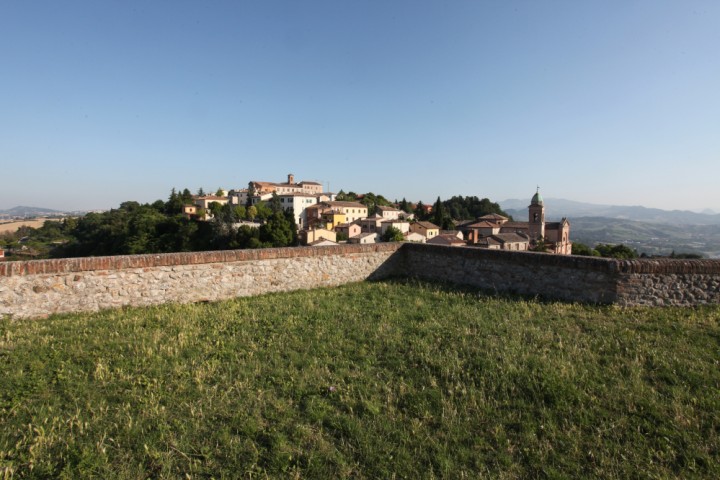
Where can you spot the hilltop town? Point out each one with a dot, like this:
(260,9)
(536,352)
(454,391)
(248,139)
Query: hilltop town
(280,214)
(322,219)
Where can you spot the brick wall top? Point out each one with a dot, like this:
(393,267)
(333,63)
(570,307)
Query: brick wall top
(642,266)
(67,265)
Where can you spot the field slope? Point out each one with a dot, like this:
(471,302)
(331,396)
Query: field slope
(369,380)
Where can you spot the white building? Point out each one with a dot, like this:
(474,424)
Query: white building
(297,203)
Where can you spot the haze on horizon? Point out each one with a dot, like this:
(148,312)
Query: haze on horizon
(601,102)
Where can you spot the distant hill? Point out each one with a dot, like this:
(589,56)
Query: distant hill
(557,208)
(29,212)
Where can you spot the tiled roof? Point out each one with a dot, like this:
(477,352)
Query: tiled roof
(297,194)
(322,240)
(482,225)
(509,238)
(446,240)
(428,225)
(346,204)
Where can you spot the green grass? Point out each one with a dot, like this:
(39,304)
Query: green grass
(370,380)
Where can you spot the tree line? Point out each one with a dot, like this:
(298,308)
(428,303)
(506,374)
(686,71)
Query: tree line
(162,227)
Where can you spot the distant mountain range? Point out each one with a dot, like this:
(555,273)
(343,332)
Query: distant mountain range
(557,208)
(29,212)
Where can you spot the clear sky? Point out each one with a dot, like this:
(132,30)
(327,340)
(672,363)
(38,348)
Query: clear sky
(613,101)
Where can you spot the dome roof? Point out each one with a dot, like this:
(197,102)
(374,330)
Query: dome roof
(536,199)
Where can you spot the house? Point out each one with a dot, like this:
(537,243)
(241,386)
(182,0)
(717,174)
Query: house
(331,218)
(189,210)
(348,229)
(505,241)
(297,203)
(364,238)
(371,224)
(240,197)
(415,237)
(322,243)
(388,213)
(426,229)
(478,230)
(204,202)
(310,236)
(260,188)
(352,210)
(447,239)
(401,225)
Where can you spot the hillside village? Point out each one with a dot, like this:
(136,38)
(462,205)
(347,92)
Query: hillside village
(322,220)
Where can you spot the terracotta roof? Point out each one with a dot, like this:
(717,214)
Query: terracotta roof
(346,204)
(297,194)
(446,240)
(322,240)
(309,183)
(482,225)
(428,225)
(383,208)
(509,238)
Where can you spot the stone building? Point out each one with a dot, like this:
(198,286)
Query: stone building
(497,232)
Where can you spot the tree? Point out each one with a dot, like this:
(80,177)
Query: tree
(220,192)
(275,204)
(215,209)
(405,206)
(263,210)
(251,212)
(583,250)
(201,192)
(250,195)
(419,212)
(277,231)
(540,246)
(393,234)
(618,251)
(174,204)
(440,216)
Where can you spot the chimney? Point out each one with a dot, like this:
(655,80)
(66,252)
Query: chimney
(291,179)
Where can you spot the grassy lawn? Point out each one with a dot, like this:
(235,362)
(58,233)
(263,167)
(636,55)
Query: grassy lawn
(370,380)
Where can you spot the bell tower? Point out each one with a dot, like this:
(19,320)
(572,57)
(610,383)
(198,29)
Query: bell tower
(536,217)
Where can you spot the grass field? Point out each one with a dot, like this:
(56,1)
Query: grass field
(370,380)
(12,226)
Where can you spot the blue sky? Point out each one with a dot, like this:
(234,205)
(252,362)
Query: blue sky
(614,102)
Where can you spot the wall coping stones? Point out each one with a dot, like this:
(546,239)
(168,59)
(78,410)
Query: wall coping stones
(120,262)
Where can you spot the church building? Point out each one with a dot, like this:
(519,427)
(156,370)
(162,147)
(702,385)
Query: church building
(497,232)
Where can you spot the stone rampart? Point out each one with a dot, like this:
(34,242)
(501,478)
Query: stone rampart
(42,287)
(570,278)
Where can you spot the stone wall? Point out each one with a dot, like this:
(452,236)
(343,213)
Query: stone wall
(42,287)
(570,278)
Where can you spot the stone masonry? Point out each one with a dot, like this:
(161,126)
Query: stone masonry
(43,287)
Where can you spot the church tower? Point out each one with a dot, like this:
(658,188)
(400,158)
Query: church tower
(536,217)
